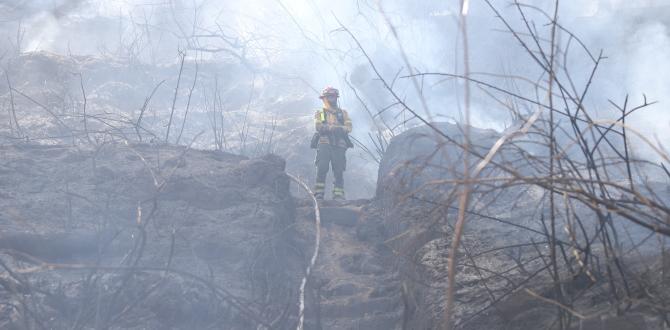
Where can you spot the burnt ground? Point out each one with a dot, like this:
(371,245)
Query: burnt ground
(128,102)
(502,278)
(150,236)
(144,236)
(355,284)
(147,236)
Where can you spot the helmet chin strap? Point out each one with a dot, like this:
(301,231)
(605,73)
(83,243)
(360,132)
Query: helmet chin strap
(328,104)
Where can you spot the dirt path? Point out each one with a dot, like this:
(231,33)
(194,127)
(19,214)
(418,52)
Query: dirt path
(354,286)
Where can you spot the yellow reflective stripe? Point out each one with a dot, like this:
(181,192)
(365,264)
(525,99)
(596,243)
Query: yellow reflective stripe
(323,115)
(319,185)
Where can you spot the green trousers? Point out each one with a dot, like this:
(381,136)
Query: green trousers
(328,156)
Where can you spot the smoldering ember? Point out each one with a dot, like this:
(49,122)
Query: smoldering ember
(311,164)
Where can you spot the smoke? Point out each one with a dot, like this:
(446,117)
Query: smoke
(26,9)
(33,24)
(633,36)
(646,46)
(301,41)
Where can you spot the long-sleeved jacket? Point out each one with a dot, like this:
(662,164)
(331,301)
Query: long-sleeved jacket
(330,128)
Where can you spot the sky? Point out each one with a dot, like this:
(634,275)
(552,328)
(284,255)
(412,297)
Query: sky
(304,39)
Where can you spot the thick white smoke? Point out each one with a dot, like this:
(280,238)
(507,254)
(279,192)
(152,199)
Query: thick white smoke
(302,40)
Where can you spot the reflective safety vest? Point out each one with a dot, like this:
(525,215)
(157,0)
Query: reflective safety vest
(333,118)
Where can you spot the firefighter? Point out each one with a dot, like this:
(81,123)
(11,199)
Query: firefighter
(331,142)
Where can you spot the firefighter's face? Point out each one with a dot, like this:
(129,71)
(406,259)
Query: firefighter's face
(332,99)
